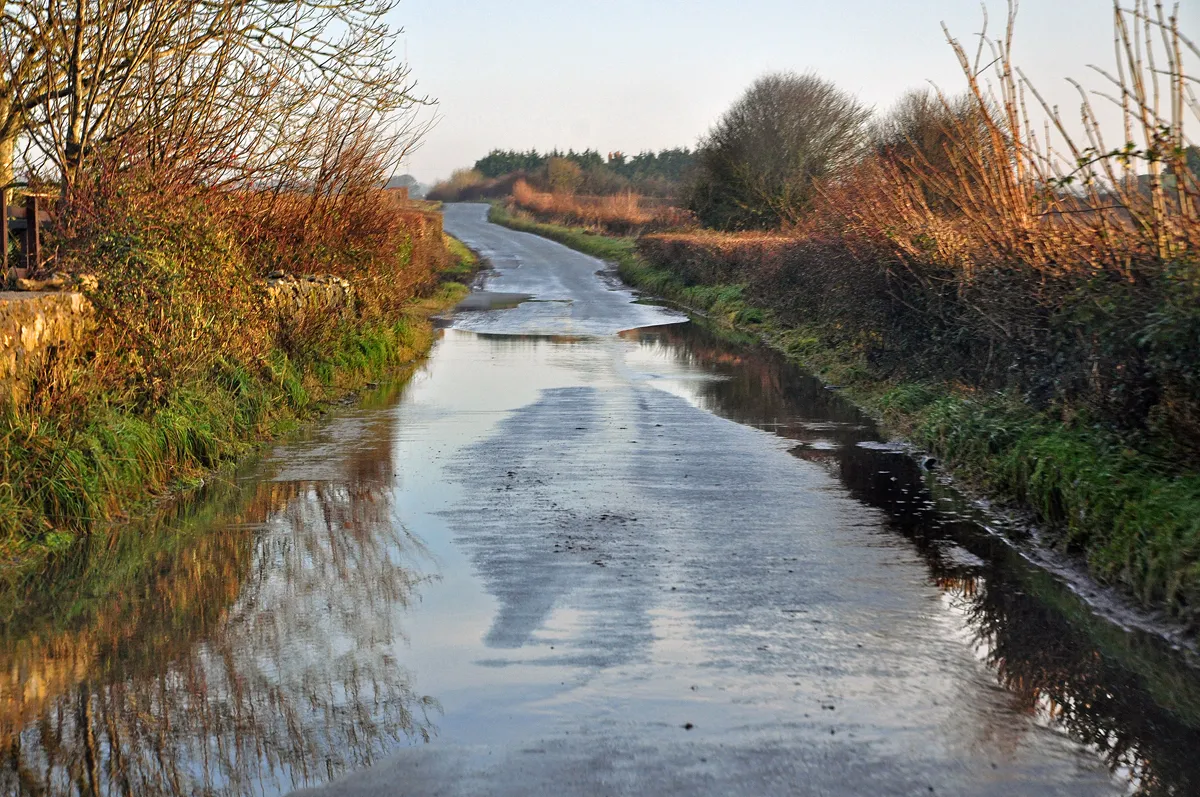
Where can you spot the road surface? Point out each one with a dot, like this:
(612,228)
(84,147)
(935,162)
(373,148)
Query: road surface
(672,602)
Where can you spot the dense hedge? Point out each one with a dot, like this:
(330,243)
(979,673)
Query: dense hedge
(1127,354)
(190,365)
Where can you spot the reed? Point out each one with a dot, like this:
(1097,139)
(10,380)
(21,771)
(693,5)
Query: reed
(1005,193)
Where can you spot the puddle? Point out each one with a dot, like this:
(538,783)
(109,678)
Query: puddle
(487,300)
(578,544)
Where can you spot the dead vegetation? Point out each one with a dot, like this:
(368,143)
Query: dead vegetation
(1031,294)
(618,214)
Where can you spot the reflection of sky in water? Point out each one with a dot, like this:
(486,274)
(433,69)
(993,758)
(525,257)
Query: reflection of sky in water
(608,693)
(299,633)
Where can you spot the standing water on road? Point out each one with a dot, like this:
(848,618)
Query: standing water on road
(588,549)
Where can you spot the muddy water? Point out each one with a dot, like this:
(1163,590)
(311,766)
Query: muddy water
(650,562)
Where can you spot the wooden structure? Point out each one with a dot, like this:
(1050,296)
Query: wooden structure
(26,224)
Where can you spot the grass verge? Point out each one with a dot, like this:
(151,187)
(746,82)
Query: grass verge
(464,263)
(65,478)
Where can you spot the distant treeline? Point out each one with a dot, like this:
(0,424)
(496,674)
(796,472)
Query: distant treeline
(661,176)
(669,166)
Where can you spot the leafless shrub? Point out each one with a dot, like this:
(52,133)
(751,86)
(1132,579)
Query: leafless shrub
(759,164)
(564,176)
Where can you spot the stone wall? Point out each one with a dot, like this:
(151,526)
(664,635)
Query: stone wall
(41,327)
(311,299)
(36,329)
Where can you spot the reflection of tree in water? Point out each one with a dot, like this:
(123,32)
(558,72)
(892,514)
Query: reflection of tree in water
(1120,693)
(757,387)
(258,656)
(1123,694)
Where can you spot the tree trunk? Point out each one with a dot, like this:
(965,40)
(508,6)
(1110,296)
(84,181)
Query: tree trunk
(73,151)
(8,145)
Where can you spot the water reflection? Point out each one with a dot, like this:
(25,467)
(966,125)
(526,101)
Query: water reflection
(244,644)
(248,643)
(1122,693)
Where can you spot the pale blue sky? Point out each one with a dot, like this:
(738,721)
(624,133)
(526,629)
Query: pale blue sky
(634,75)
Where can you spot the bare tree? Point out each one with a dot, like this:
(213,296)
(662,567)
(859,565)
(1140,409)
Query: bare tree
(225,86)
(758,163)
(22,67)
(927,135)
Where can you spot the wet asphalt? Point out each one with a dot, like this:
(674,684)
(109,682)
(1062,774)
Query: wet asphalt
(632,593)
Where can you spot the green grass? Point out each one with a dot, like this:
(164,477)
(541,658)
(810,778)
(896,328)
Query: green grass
(1135,519)
(62,479)
(464,262)
(618,250)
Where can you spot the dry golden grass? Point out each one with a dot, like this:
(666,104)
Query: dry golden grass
(621,214)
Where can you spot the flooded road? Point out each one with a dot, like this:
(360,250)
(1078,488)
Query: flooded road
(588,549)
